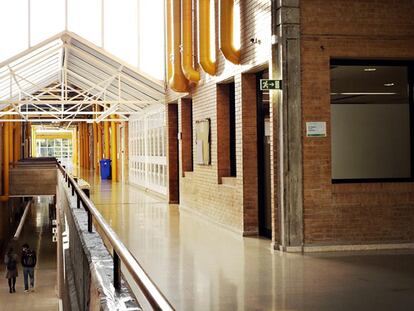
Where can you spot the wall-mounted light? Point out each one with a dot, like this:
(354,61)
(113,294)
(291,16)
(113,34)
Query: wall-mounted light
(389,84)
(370,69)
(255,41)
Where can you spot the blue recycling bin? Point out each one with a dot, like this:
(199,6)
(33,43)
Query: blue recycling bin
(105,165)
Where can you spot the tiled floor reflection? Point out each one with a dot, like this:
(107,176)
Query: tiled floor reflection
(38,234)
(200,266)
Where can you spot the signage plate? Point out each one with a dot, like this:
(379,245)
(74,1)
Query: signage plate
(267,84)
(316,129)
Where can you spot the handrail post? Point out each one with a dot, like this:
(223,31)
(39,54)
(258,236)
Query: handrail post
(73,188)
(89,222)
(117,271)
(88,194)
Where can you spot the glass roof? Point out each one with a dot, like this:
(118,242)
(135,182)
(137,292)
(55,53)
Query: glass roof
(132,30)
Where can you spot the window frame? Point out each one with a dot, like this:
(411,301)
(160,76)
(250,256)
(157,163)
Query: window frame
(409,64)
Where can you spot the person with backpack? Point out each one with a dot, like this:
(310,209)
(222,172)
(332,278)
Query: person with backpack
(10,260)
(28,263)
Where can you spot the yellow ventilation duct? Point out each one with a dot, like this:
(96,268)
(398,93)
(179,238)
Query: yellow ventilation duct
(227,31)
(178,81)
(187,39)
(204,37)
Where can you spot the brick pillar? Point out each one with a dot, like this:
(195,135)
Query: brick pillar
(186,135)
(172,156)
(246,86)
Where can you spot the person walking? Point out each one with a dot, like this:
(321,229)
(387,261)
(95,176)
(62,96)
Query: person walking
(10,260)
(28,263)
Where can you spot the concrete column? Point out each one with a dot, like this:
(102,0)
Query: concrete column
(286,121)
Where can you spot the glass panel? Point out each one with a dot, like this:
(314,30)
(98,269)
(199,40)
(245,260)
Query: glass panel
(14,34)
(47,19)
(84,19)
(121,29)
(370,122)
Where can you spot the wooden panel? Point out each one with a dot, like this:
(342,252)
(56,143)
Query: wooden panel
(33,181)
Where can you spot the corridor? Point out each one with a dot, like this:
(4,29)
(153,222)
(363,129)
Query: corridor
(37,233)
(200,266)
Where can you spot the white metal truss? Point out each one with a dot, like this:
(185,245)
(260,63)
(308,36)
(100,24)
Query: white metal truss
(67,79)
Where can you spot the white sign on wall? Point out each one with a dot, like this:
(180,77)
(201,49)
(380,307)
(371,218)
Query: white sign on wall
(316,129)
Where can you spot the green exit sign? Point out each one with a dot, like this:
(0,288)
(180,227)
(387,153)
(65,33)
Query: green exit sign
(266,84)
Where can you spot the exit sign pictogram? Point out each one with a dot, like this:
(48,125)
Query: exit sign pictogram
(266,84)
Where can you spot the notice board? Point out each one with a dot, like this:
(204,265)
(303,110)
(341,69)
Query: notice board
(203,142)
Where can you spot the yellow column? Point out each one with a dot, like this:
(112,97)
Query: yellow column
(84,145)
(28,139)
(11,139)
(34,152)
(99,146)
(6,154)
(114,164)
(87,146)
(74,147)
(17,141)
(95,147)
(106,139)
(80,145)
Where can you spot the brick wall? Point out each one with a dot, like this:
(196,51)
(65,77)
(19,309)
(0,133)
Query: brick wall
(350,213)
(233,202)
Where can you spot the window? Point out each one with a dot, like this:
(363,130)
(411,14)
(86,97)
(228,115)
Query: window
(226,130)
(371,108)
(147,159)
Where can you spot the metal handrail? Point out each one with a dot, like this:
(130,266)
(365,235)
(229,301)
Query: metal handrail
(120,253)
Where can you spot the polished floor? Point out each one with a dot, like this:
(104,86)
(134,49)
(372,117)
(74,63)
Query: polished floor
(200,266)
(38,234)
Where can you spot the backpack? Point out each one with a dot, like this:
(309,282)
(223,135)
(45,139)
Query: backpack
(30,260)
(11,265)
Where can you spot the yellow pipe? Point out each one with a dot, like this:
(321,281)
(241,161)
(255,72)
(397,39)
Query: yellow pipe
(178,81)
(114,164)
(106,140)
(227,31)
(6,154)
(187,42)
(204,36)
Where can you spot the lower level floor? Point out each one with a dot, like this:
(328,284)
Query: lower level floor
(201,266)
(37,233)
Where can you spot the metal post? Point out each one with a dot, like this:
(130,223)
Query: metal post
(77,201)
(89,222)
(117,271)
